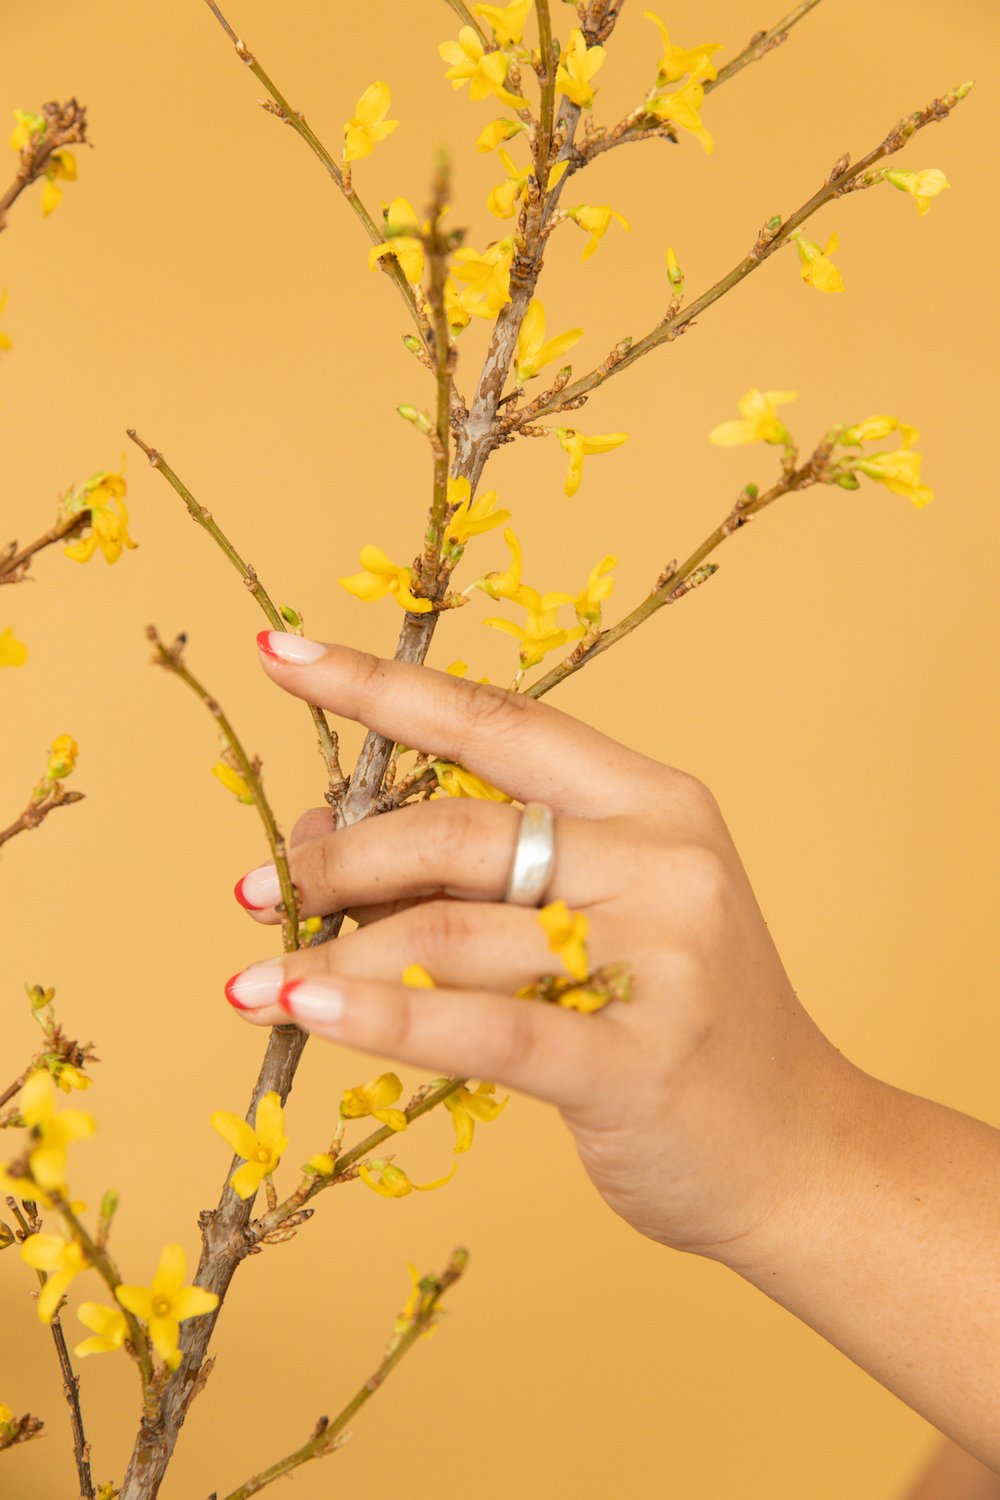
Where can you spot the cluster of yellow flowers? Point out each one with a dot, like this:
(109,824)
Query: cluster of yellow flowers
(102,496)
(28,133)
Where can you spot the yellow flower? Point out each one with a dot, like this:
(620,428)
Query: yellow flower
(261,1145)
(6,1415)
(13,653)
(368,125)
(5,342)
(103,495)
(23,1187)
(595,221)
(392,1181)
(62,757)
(674,273)
(506,584)
(507,21)
(416,977)
(412,1305)
(374,1099)
(760,424)
(582,999)
(381,577)
(455,781)
(321,1163)
(60,164)
(578,447)
(466,1107)
(486,277)
(470,517)
(533,353)
(108,1325)
(567,934)
(485,72)
(577,66)
(26,126)
(167,1303)
(683,105)
(899,472)
(454,308)
(503,200)
(233,781)
(597,588)
(67,1077)
(52,1131)
(817,270)
(873,428)
(403,228)
(922,186)
(540,632)
(61,1259)
(493,135)
(676,61)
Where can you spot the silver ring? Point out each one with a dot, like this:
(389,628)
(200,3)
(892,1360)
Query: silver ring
(534,856)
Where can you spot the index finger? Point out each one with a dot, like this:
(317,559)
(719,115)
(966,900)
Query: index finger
(525,748)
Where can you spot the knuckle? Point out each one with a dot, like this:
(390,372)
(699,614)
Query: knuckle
(702,874)
(368,670)
(484,705)
(456,826)
(517,1044)
(312,824)
(441,926)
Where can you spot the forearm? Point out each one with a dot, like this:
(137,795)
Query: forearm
(890,1249)
(954,1474)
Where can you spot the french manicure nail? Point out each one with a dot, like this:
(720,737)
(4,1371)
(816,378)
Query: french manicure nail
(281,645)
(253,988)
(308,1001)
(258,889)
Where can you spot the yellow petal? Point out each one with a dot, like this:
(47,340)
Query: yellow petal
(235,1132)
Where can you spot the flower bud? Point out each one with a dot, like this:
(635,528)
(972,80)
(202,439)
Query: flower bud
(290,616)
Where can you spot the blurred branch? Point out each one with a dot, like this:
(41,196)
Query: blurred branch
(37,812)
(14,565)
(66,125)
(465,16)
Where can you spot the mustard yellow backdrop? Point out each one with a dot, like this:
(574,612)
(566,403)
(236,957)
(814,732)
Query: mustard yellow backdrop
(835,684)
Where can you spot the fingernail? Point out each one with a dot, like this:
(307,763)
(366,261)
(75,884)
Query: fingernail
(258,889)
(281,645)
(307,1001)
(253,988)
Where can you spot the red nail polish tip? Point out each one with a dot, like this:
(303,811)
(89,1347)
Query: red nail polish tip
(264,644)
(231,995)
(285,997)
(238,893)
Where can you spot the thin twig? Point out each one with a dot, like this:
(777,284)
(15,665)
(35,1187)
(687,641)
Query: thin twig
(762,43)
(444,354)
(171,659)
(66,126)
(329,743)
(543,132)
(326,1435)
(37,812)
(14,565)
(467,19)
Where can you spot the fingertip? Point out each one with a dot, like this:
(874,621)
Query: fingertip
(288,649)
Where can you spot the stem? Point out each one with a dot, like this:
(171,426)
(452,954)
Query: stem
(324,1439)
(543,136)
(37,812)
(670,327)
(109,1274)
(467,19)
(15,564)
(762,43)
(329,744)
(66,124)
(290,917)
(437,256)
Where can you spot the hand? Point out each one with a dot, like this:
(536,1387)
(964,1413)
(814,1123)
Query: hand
(699,1107)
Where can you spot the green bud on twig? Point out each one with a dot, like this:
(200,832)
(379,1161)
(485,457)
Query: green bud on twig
(290,616)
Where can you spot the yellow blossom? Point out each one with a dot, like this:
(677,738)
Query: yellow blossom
(876,427)
(68,1077)
(485,72)
(5,342)
(507,21)
(470,517)
(416,977)
(368,125)
(922,186)
(486,277)
(759,424)
(899,472)
(261,1145)
(63,753)
(567,934)
(167,1303)
(595,220)
(52,1131)
(108,1325)
(61,1259)
(597,588)
(817,269)
(381,577)
(676,61)
(374,1099)
(60,164)
(392,1181)
(13,653)
(456,781)
(577,66)
(579,998)
(455,310)
(321,1163)
(403,228)
(540,632)
(533,353)
(233,781)
(6,1415)
(103,495)
(412,1305)
(498,131)
(23,1187)
(578,447)
(502,201)
(466,1107)
(683,105)
(674,273)
(26,125)
(506,584)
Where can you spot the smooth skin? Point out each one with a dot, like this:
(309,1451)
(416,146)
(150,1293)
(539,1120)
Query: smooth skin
(710,1112)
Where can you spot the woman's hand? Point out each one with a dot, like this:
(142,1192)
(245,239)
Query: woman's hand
(699,1108)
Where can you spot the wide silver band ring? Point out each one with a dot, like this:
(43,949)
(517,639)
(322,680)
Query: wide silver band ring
(534,857)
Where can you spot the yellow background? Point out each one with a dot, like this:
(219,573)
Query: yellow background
(835,684)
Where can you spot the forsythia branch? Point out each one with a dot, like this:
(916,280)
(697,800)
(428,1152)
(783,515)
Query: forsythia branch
(66,125)
(37,812)
(14,565)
